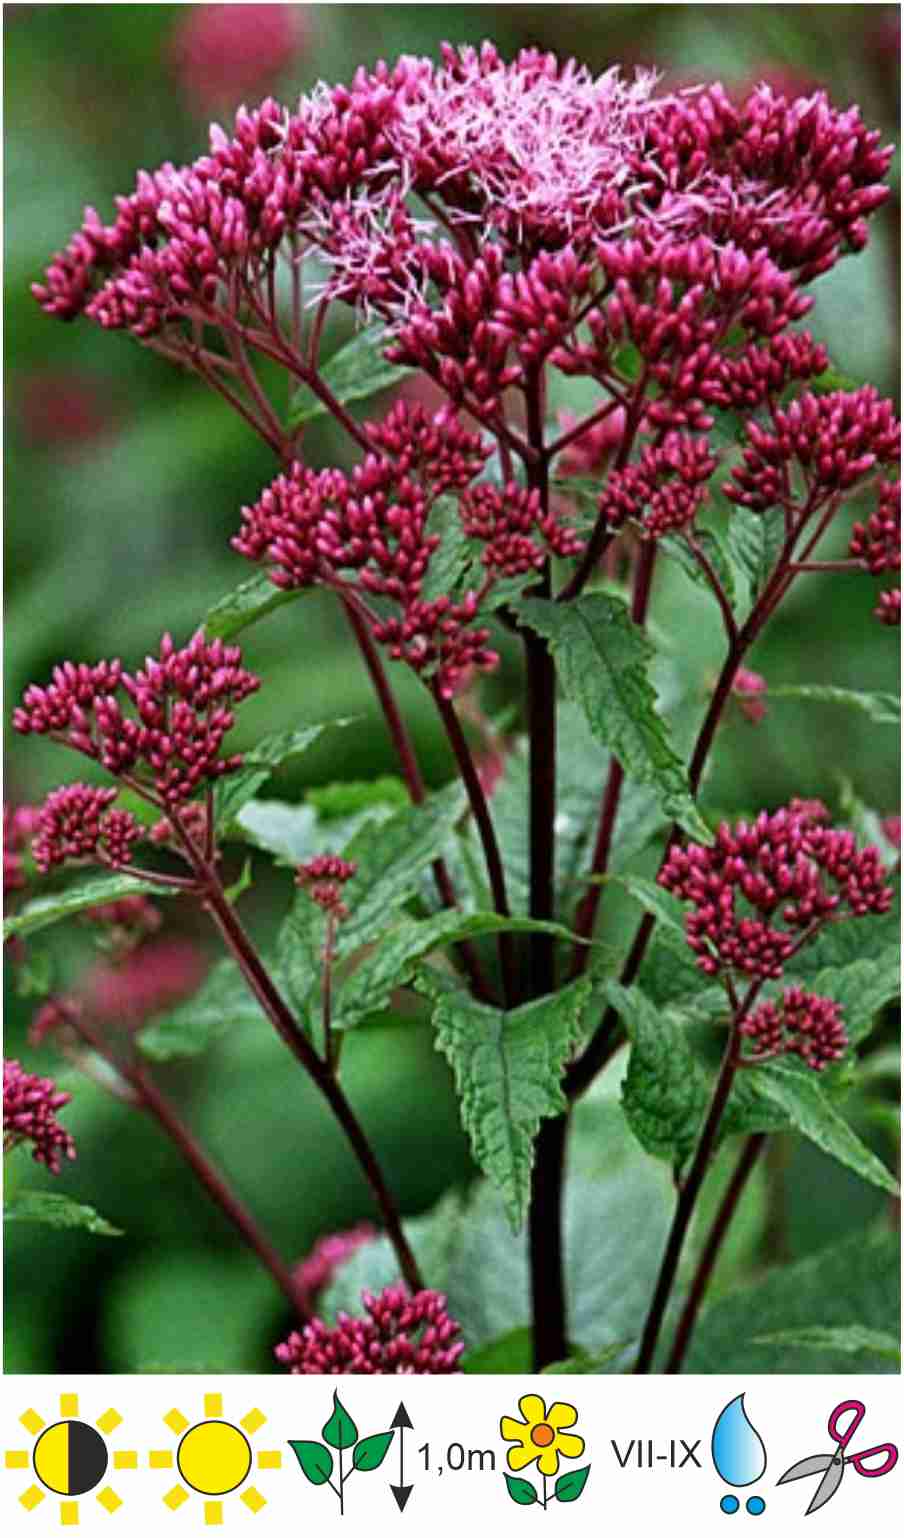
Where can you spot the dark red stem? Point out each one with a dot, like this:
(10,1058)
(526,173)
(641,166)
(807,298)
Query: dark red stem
(750,1153)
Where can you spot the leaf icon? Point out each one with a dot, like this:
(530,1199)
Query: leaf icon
(371,1451)
(340,1430)
(315,1459)
(521,1491)
(569,1486)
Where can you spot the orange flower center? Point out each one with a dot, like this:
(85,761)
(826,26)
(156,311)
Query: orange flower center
(542,1435)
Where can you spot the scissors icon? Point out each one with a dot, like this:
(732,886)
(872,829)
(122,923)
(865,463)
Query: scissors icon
(832,1465)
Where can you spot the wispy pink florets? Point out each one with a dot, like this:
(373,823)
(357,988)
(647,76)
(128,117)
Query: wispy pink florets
(400,1333)
(805,1024)
(30,1104)
(761,886)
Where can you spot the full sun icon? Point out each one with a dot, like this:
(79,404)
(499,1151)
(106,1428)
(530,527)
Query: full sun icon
(214,1458)
(70,1457)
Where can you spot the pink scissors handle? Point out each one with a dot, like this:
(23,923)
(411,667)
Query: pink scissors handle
(885,1467)
(843,1437)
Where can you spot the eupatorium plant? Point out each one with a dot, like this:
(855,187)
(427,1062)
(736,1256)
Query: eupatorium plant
(598,288)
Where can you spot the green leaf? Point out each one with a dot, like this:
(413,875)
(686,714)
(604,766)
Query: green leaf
(53,1210)
(343,798)
(315,1459)
(583,1363)
(667,909)
(508,1069)
(224,1003)
(796,1093)
(354,372)
(454,556)
(754,544)
(665,1091)
(245,605)
(44,911)
(883,709)
(603,660)
(393,961)
(858,1279)
(371,1451)
(521,1491)
(287,831)
(390,857)
(677,547)
(340,1430)
(259,763)
(569,1486)
(850,1339)
(244,880)
(508,1353)
(861,990)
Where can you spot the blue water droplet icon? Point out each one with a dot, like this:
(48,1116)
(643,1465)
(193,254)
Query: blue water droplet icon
(738,1451)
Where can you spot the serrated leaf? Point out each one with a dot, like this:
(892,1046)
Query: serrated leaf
(353,373)
(570,1485)
(259,763)
(340,1430)
(454,556)
(849,1339)
(245,605)
(797,1094)
(883,709)
(861,990)
(603,660)
(223,1003)
(855,1280)
(371,1451)
(508,1069)
(316,1461)
(521,1491)
(41,912)
(54,1210)
(665,1091)
(393,961)
(754,543)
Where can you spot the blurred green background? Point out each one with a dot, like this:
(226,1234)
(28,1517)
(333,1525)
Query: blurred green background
(123,485)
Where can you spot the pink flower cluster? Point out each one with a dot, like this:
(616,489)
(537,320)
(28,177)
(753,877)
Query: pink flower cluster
(183,709)
(323,878)
(79,822)
(371,525)
(142,982)
(664,489)
(802,1023)
(30,1104)
(314,1274)
(836,440)
(762,888)
(400,1333)
(748,689)
(507,520)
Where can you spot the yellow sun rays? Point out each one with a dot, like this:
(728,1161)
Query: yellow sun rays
(214,1458)
(70,1457)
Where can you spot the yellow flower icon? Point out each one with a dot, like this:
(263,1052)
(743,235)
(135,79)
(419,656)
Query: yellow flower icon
(541,1434)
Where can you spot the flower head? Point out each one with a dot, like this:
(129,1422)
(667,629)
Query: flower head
(400,1333)
(30,1104)
(799,1022)
(76,823)
(142,981)
(171,739)
(323,878)
(542,1435)
(762,888)
(19,824)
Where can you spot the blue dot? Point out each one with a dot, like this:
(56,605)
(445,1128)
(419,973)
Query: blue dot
(756,1505)
(729,1504)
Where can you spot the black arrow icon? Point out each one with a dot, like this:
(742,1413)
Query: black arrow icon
(401,1491)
